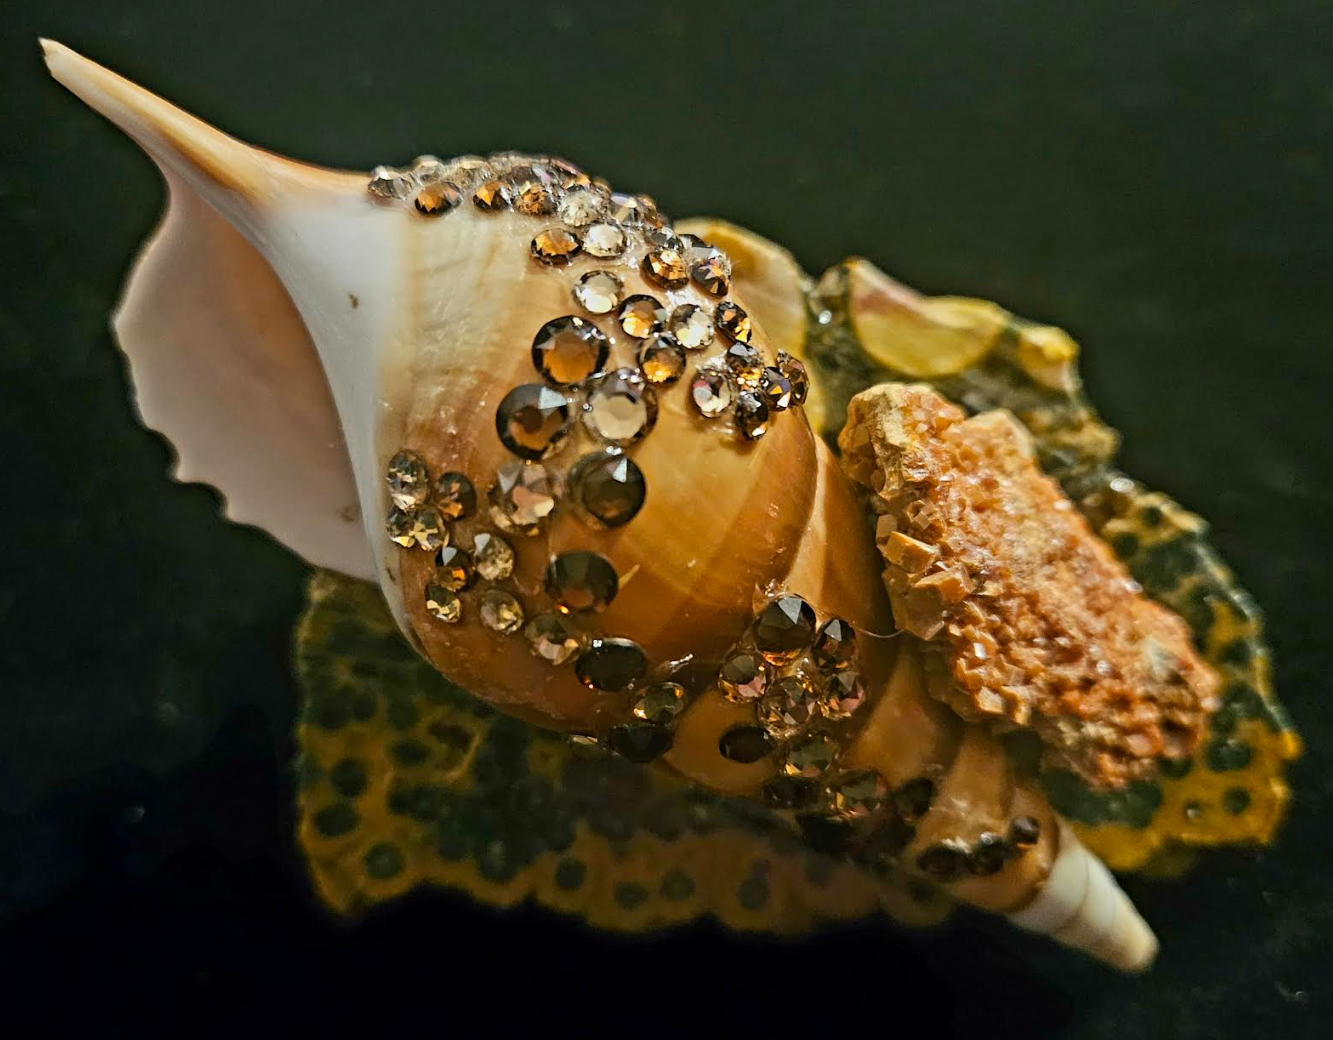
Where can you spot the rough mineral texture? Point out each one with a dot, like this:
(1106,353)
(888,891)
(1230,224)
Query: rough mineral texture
(1036,622)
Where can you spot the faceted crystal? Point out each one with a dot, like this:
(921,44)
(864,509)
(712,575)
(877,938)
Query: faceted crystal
(581,582)
(501,611)
(555,246)
(665,268)
(666,238)
(843,695)
(745,744)
(662,359)
(796,375)
(745,363)
(775,388)
(408,479)
(620,409)
(788,707)
(857,794)
(429,530)
(784,629)
(455,495)
(598,292)
(712,274)
(442,604)
(733,322)
(660,703)
(641,316)
(811,757)
(609,486)
(1024,831)
(691,326)
(912,799)
(553,637)
(437,198)
(401,526)
(389,183)
(581,207)
(568,350)
(604,241)
(711,391)
(453,569)
(533,420)
(627,209)
(492,556)
(611,664)
(428,169)
(744,677)
(639,741)
(533,199)
(835,645)
(492,197)
(751,415)
(523,497)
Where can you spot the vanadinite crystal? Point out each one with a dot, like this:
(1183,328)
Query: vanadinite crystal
(611,664)
(568,350)
(744,677)
(745,744)
(843,695)
(751,415)
(491,197)
(835,645)
(501,611)
(711,391)
(785,628)
(455,496)
(442,604)
(553,637)
(435,199)
(733,322)
(811,757)
(492,556)
(604,241)
(691,326)
(796,375)
(523,496)
(453,568)
(788,707)
(665,268)
(620,409)
(660,703)
(581,207)
(533,420)
(609,486)
(598,292)
(642,316)
(662,359)
(580,581)
(408,480)
(556,246)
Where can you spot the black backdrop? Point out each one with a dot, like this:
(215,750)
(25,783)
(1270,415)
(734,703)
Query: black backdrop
(1151,175)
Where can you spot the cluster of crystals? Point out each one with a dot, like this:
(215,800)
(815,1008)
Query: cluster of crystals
(956,858)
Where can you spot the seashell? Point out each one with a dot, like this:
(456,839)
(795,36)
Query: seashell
(372,366)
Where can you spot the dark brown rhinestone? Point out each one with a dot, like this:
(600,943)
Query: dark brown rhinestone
(553,637)
(408,478)
(1025,831)
(568,350)
(989,854)
(455,496)
(775,388)
(744,677)
(712,275)
(857,794)
(784,629)
(662,359)
(751,415)
(796,375)
(491,197)
(790,792)
(581,582)
(810,757)
(436,199)
(745,744)
(534,199)
(533,421)
(611,664)
(665,268)
(733,322)
(660,703)
(946,861)
(642,316)
(835,645)
(912,799)
(453,568)
(745,363)
(640,741)
(609,486)
(843,694)
(556,246)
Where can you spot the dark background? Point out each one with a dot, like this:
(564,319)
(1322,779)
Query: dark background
(1152,175)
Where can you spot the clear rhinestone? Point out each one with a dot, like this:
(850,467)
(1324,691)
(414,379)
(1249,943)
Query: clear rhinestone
(627,209)
(660,703)
(409,480)
(775,388)
(609,486)
(796,375)
(453,569)
(611,664)
(581,582)
(858,794)
(665,268)
(784,629)
(788,707)
(568,350)
(665,238)
(661,359)
(811,757)
(428,169)
(533,420)
(386,182)
(733,322)
(598,292)
(692,326)
(492,197)
(642,316)
(751,415)
(835,645)
(523,497)
(620,409)
(455,495)
(501,611)
(711,391)
(553,637)
(744,677)
(492,556)
(581,207)
(437,198)
(442,604)
(604,241)
(555,247)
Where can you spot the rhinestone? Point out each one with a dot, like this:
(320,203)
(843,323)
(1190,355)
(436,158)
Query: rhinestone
(431,530)
(665,238)
(611,664)
(733,322)
(745,744)
(604,241)
(788,707)
(796,375)
(835,645)
(627,209)
(712,274)
(789,792)
(453,569)
(989,854)
(455,495)
(555,246)
(744,677)
(639,742)
(810,758)
(665,268)
(533,420)
(608,486)
(492,197)
(581,207)
(711,391)
(553,637)
(535,200)
(501,611)
(751,415)
(401,527)
(661,359)
(581,582)
(442,604)
(408,479)
(691,326)
(492,556)
(620,409)
(523,496)
(945,861)
(1024,831)
(386,182)
(568,350)
(912,799)
(746,364)
(843,695)
(437,198)
(775,389)
(428,169)
(641,317)
(784,629)
(858,794)
(598,292)
(660,703)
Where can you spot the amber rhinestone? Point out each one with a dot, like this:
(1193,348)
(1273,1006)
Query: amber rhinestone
(857,794)
(912,799)
(789,792)
(946,861)
(665,268)
(744,677)
(775,388)
(745,744)
(733,322)
(988,854)
(492,556)
(620,408)
(400,525)
(1024,831)
(581,207)
(811,757)
(389,183)
(751,415)
(711,391)
(598,292)
(661,359)
(523,497)
(639,741)
(794,370)
(712,274)
(784,629)
(660,703)
(492,197)
(425,528)
(843,695)
(581,582)
(835,645)
(437,198)
(553,637)
(691,326)
(568,350)
(556,246)
(788,707)
(453,568)
(455,496)
(604,241)
(535,200)
(533,420)
(609,486)
(501,611)
(442,604)
(641,316)
(611,664)
(745,363)
(408,479)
